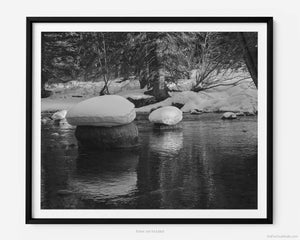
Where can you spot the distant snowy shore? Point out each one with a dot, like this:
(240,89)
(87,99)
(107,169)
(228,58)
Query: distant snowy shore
(240,98)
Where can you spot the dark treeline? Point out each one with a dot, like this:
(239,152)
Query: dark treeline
(151,57)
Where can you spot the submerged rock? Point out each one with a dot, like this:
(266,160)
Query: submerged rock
(60,115)
(102,111)
(166,115)
(229,115)
(95,137)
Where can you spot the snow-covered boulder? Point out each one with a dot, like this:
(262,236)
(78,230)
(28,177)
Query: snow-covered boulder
(229,115)
(93,137)
(60,115)
(104,111)
(166,115)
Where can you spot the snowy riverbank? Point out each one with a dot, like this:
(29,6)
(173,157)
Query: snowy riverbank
(240,98)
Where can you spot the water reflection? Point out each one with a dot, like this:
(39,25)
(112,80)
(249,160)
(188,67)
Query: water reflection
(177,174)
(166,142)
(209,164)
(107,178)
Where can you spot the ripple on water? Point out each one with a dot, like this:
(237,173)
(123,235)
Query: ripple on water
(209,163)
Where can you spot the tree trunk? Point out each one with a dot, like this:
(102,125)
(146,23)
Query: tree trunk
(104,90)
(159,89)
(250,57)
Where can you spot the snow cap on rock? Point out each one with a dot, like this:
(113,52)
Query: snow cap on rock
(105,111)
(60,115)
(229,115)
(166,115)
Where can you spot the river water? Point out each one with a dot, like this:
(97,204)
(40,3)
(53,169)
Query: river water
(208,164)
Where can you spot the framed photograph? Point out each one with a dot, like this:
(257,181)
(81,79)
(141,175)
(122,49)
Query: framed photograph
(159,120)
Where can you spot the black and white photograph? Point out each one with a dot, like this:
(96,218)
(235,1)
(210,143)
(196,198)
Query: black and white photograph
(147,120)
(139,120)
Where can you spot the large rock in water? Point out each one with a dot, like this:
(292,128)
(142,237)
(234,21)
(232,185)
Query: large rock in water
(104,122)
(93,137)
(166,115)
(102,111)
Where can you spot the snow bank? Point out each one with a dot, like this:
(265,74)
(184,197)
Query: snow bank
(107,111)
(166,115)
(240,98)
(136,94)
(90,89)
(182,85)
(52,105)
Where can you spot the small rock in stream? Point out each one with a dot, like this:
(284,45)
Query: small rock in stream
(229,115)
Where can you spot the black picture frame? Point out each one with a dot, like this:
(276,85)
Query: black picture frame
(29,119)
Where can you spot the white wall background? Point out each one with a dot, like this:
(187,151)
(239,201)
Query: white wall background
(286,116)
